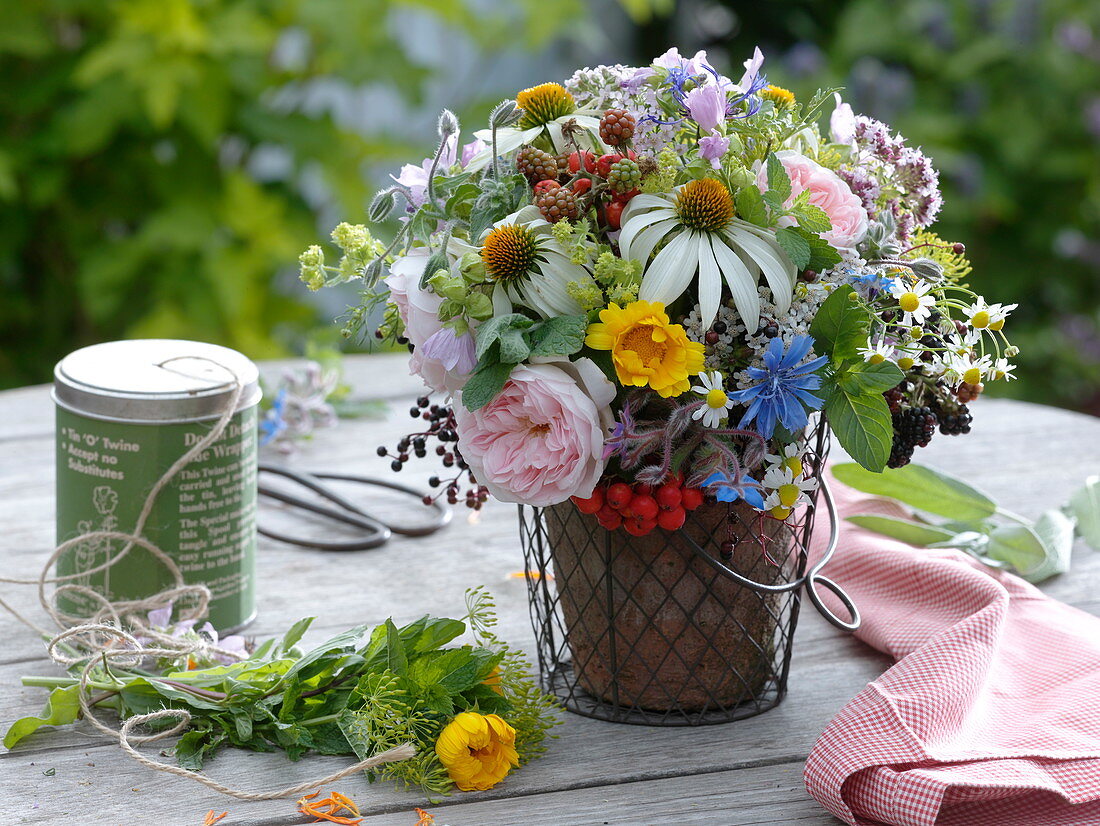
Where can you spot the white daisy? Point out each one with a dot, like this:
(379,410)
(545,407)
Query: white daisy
(914,300)
(717,403)
(979,314)
(696,224)
(789,458)
(878,353)
(998,313)
(528,266)
(1001,369)
(966,368)
(787,491)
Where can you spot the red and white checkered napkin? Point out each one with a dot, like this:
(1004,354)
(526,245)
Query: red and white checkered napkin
(991,714)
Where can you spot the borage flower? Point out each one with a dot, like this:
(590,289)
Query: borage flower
(727,489)
(478,750)
(717,403)
(696,222)
(783,390)
(646,348)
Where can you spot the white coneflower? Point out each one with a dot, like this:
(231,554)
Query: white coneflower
(702,236)
(914,300)
(717,404)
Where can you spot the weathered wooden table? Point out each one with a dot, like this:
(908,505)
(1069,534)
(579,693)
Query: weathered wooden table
(749,772)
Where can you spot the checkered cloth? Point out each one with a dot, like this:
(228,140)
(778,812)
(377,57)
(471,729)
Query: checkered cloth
(990,715)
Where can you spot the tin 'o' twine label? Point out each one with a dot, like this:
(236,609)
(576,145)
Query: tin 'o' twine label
(205,519)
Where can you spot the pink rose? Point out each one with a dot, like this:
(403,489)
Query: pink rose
(541,439)
(828,191)
(443,368)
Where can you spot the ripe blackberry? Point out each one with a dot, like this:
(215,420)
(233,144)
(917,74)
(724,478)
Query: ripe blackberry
(536,165)
(558,204)
(956,421)
(616,127)
(624,176)
(913,428)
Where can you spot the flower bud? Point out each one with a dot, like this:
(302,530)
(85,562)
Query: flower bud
(372,273)
(1012,351)
(927,269)
(505,113)
(448,124)
(381,206)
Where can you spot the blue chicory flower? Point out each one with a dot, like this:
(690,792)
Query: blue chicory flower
(782,393)
(726,490)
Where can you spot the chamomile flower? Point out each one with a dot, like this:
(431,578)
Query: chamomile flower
(1001,369)
(979,314)
(788,458)
(913,299)
(717,403)
(787,491)
(998,313)
(878,353)
(966,368)
(696,223)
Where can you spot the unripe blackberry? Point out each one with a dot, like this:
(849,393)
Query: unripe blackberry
(536,165)
(624,176)
(558,204)
(968,392)
(616,127)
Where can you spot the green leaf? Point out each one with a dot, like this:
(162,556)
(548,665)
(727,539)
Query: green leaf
(513,346)
(750,206)
(62,708)
(295,634)
(484,385)
(1019,546)
(840,326)
(396,659)
(823,256)
(922,488)
(559,336)
(1084,505)
(862,425)
(429,633)
(915,533)
(812,218)
(195,746)
(779,181)
(796,247)
(774,201)
(862,378)
(494,328)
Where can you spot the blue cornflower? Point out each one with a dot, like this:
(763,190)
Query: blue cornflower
(726,490)
(782,394)
(869,284)
(273,422)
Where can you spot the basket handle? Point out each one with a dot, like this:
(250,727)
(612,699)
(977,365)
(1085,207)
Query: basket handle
(811,579)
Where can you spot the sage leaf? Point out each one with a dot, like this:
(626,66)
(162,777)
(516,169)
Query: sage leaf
(1085,508)
(62,708)
(914,533)
(921,487)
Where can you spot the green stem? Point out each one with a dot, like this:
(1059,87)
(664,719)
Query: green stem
(316,721)
(1015,517)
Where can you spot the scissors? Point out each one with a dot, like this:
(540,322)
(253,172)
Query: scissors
(376,531)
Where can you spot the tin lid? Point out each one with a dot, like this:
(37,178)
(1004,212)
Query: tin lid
(153,380)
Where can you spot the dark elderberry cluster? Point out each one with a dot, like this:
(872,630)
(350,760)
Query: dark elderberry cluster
(441,426)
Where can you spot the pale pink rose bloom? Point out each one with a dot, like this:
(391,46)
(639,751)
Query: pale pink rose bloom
(541,439)
(828,191)
(419,311)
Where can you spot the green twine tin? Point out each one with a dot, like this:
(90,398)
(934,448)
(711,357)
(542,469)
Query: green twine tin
(126,410)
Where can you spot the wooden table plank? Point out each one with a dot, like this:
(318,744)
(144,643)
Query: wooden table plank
(634,773)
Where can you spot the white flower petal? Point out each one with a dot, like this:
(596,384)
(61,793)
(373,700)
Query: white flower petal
(632,228)
(650,237)
(671,271)
(642,203)
(761,245)
(710,282)
(742,283)
(508,139)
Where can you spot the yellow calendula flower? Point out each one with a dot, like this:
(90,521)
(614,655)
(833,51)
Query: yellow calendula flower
(478,750)
(646,349)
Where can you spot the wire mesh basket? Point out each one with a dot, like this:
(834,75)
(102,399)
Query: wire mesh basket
(685,627)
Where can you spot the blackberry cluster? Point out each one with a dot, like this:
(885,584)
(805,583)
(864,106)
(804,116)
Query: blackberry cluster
(913,428)
(895,396)
(616,127)
(624,176)
(441,426)
(536,165)
(955,420)
(558,204)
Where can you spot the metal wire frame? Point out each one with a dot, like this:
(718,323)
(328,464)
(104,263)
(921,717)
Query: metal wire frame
(662,630)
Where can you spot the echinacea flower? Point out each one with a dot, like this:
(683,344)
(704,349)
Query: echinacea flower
(646,348)
(725,489)
(528,266)
(702,235)
(478,750)
(782,392)
(913,299)
(546,108)
(716,403)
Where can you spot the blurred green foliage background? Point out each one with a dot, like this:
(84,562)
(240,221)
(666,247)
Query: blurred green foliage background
(162,162)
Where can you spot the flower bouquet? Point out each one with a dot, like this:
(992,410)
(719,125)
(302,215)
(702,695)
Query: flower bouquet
(649,293)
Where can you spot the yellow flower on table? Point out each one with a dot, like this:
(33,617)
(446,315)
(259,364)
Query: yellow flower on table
(478,750)
(646,349)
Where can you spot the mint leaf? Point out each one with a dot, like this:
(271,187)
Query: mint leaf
(560,336)
(513,346)
(862,378)
(779,181)
(494,328)
(840,326)
(923,488)
(812,218)
(862,425)
(823,255)
(483,386)
(750,206)
(775,201)
(796,247)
